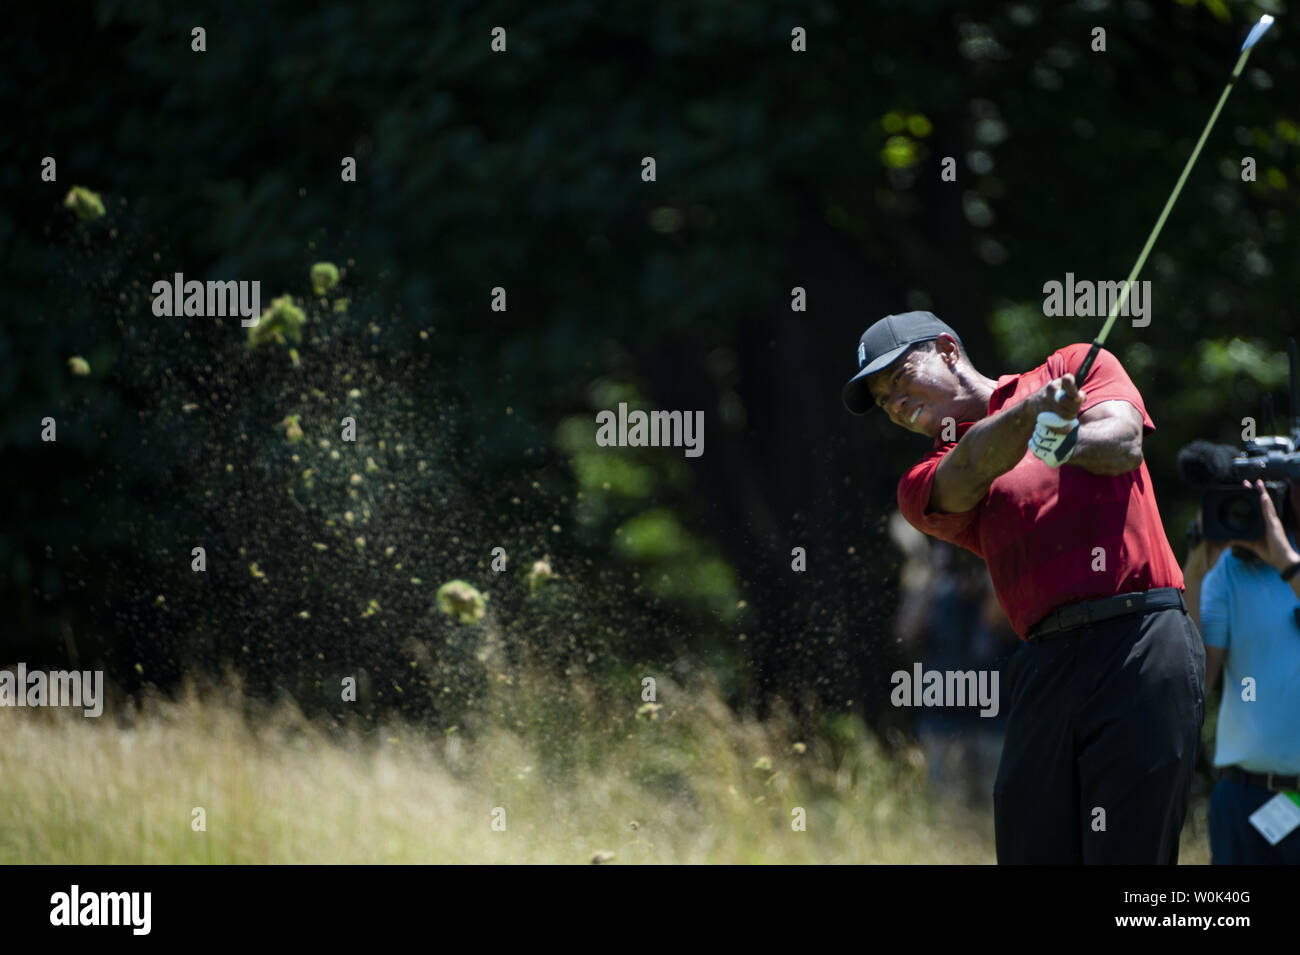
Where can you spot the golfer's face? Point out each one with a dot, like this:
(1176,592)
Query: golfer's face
(914,392)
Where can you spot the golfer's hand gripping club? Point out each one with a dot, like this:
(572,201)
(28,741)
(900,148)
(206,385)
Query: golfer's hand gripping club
(1056,436)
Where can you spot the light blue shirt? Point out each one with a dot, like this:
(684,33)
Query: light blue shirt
(1249,610)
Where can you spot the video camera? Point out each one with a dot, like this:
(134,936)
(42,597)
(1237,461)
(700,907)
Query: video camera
(1228,510)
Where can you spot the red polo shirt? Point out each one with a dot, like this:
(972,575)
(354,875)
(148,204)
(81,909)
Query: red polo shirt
(1054,536)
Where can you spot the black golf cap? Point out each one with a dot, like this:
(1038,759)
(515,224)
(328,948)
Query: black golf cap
(882,344)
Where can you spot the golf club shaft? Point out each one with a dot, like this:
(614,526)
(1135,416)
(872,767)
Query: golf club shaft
(1118,305)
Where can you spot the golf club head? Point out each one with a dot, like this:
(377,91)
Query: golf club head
(1257,31)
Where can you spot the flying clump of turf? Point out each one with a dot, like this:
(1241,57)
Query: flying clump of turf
(458,599)
(324,276)
(85,204)
(292,425)
(282,322)
(540,574)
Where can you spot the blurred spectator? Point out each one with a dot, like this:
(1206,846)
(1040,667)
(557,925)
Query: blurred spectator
(949,619)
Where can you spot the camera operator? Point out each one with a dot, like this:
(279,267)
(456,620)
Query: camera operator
(1247,605)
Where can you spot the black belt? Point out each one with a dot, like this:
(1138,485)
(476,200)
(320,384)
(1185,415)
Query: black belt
(1270,781)
(1093,611)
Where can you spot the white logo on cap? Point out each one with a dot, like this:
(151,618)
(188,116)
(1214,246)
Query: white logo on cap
(862,354)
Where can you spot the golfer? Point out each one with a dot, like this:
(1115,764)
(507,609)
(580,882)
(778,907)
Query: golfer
(1107,692)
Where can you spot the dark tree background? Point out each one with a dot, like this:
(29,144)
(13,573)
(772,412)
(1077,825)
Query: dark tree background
(522,170)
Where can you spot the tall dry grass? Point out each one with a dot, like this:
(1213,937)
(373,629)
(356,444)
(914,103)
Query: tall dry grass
(575,774)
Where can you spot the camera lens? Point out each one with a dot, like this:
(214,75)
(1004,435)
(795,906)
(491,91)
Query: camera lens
(1237,515)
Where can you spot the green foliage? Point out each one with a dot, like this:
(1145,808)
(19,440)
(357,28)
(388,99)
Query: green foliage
(1024,337)
(677,564)
(1223,361)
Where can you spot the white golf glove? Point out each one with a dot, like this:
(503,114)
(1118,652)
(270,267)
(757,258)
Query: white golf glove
(1051,448)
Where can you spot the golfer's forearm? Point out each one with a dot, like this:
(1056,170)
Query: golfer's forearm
(991,447)
(1110,446)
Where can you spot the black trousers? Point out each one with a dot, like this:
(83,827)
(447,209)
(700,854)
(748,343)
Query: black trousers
(1101,742)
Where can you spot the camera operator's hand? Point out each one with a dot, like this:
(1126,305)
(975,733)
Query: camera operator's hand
(1274,547)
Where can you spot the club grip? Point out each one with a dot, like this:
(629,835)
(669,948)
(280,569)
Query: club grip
(1084,368)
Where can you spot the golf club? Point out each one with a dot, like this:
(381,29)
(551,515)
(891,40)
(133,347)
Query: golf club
(1252,38)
